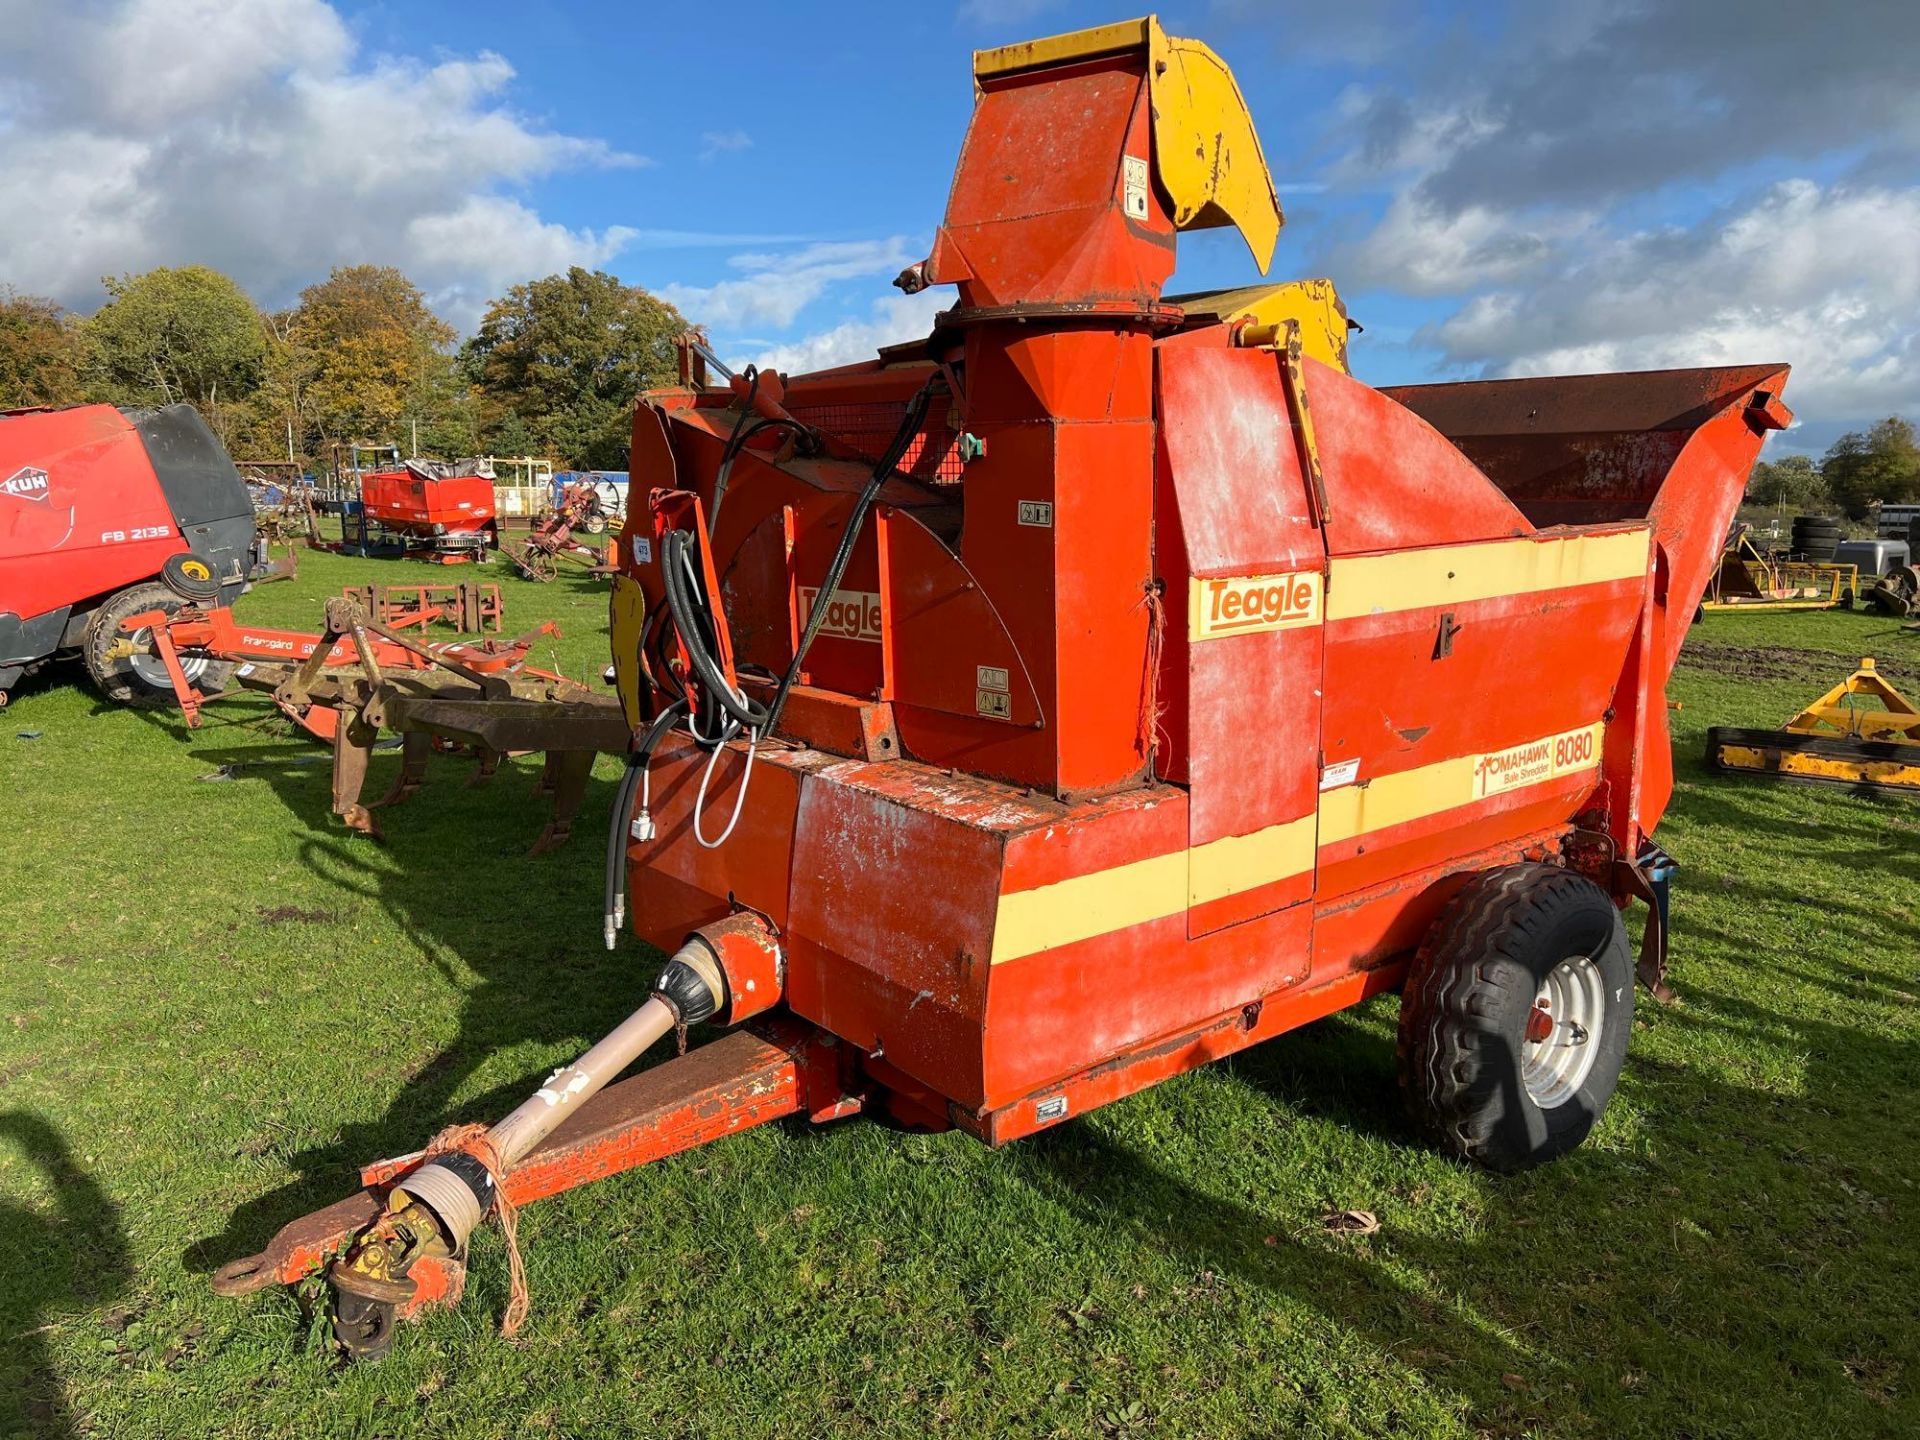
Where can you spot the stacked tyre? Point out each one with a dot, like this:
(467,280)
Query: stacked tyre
(1815,536)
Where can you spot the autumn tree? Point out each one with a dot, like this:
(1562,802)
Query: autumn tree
(1881,465)
(1791,481)
(565,356)
(42,354)
(173,334)
(366,358)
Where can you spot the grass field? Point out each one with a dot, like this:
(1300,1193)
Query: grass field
(214,1003)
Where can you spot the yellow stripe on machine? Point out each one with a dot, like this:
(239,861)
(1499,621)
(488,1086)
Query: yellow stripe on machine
(1107,901)
(1355,810)
(1028,921)
(1489,570)
(1219,607)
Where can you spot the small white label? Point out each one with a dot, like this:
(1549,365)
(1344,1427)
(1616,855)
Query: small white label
(643,551)
(1054,1107)
(994,704)
(990,677)
(1134,172)
(1036,512)
(1334,776)
(245,670)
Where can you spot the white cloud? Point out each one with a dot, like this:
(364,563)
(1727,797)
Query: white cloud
(776,287)
(894,319)
(723,142)
(1581,184)
(500,242)
(1421,249)
(258,139)
(1826,278)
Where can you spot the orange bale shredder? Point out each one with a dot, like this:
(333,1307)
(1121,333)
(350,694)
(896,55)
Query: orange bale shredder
(1110,682)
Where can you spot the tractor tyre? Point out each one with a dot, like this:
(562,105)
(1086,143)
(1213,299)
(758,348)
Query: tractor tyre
(1515,1017)
(142,679)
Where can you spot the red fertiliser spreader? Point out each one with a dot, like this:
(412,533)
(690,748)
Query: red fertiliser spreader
(1106,683)
(435,511)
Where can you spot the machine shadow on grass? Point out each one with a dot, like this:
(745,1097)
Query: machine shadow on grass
(1511,1318)
(544,979)
(68,1253)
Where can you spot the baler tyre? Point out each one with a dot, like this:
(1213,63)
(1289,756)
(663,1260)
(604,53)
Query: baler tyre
(1513,938)
(191,577)
(142,679)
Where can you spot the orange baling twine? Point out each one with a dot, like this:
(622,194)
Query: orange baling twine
(1151,731)
(475,1141)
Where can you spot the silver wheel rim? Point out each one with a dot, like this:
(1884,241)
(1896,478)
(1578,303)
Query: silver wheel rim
(152,670)
(1574,1001)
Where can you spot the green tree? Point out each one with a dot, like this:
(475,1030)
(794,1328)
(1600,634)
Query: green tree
(366,358)
(566,355)
(1881,465)
(176,334)
(42,353)
(1793,481)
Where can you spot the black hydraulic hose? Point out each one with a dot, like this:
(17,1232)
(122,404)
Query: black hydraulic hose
(691,609)
(883,468)
(736,442)
(693,617)
(614,893)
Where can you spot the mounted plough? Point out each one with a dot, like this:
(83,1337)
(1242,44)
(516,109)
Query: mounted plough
(359,677)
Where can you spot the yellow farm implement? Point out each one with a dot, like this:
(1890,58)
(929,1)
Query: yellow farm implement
(1752,579)
(1862,733)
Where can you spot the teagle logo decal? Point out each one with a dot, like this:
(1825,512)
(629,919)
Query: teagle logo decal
(851,614)
(1249,604)
(27,483)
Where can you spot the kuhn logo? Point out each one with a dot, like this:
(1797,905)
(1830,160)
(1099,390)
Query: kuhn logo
(1247,604)
(851,614)
(27,483)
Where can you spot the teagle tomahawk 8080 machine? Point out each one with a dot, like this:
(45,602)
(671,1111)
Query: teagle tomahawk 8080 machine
(1109,682)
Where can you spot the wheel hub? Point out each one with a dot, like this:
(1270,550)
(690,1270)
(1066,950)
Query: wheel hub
(1559,1051)
(152,670)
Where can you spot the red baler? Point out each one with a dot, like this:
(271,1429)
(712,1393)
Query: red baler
(1110,682)
(107,513)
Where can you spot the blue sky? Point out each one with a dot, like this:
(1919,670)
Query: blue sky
(1498,188)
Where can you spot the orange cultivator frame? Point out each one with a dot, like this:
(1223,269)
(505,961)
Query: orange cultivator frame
(359,677)
(1101,686)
